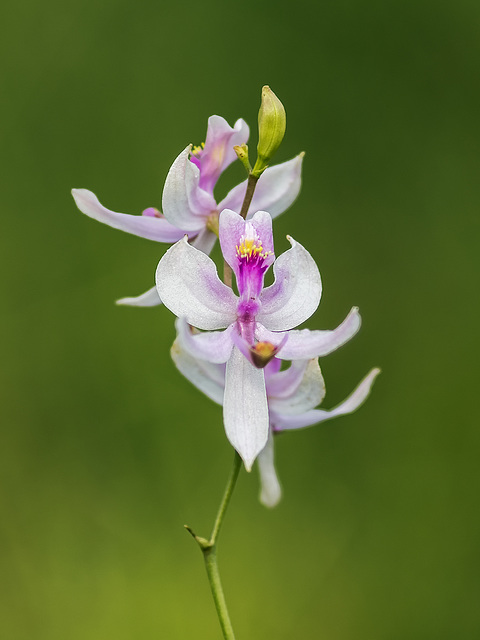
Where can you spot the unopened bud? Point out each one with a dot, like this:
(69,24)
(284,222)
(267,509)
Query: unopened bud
(242,154)
(272,123)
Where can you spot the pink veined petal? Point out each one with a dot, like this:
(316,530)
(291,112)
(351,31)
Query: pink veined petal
(245,410)
(188,285)
(270,489)
(305,344)
(184,204)
(261,221)
(148,299)
(213,346)
(296,292)
(207,377)
(281,422)
(232,228)
(218,152)
(276,190)
(307,395)
(152,228)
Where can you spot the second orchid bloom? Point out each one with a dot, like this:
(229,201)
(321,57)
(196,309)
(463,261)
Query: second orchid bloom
(189,205)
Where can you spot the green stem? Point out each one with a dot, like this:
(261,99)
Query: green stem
(211,565)
(251,184)
(237,464)
(209,550)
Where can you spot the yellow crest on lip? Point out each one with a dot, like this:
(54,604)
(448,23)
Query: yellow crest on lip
(250,244)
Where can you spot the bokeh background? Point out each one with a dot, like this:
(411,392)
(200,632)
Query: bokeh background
(105,451)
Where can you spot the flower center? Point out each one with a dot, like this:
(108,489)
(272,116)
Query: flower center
(252,265)
(197,150)
(196,154)
(250,248)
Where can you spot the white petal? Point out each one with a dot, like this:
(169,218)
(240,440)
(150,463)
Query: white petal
(270,490)
(188,285)
(205,241)
(296,292)
(148,299)
(214,346)
(306,344)
(245,410)
(184,204)
(208,377)
(149,227)
(277,189)
(305,396)
(283,421)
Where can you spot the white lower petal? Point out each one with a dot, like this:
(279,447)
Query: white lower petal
(301,397)
(149,227)
(270,489)
(148,299)
(207,377)
(188,285)
(245,409)
(282,422)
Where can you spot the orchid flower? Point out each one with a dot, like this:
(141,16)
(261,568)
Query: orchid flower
(292,395)
(189,205)
(257,324)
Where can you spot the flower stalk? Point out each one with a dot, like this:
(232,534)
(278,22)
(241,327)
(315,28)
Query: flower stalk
(209,550)
(251,184)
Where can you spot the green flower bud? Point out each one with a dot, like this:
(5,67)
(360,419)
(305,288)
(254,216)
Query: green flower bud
(272,122)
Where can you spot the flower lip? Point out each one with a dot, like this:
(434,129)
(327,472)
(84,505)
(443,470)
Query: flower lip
(260,353)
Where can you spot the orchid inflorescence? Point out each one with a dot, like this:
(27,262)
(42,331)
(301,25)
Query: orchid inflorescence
(232,346)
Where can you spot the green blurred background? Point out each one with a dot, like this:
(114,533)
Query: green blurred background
(105,451)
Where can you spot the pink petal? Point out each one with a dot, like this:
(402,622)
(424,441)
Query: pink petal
(213,346)
(306,344)
(150,227)
(218,152)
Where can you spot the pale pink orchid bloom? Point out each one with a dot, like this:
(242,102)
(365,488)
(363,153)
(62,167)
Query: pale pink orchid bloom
(257,324)
(189,206)
(292,395)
